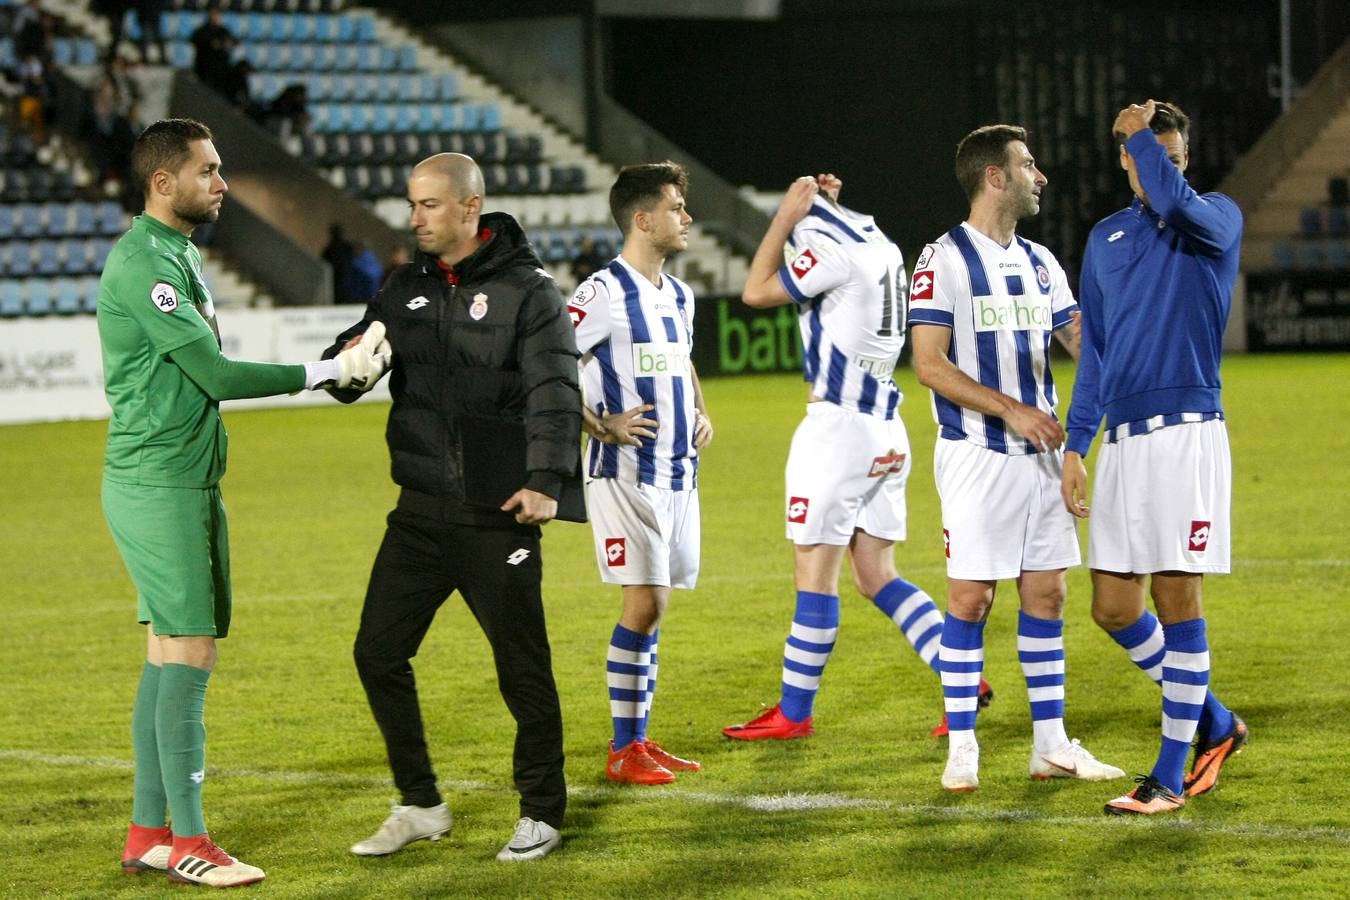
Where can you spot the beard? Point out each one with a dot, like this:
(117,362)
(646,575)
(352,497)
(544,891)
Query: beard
(202,213)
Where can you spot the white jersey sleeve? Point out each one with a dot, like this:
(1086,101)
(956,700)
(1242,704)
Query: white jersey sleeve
(589,309)
(814,264)
(933,289)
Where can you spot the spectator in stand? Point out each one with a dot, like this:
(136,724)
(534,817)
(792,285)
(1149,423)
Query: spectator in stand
(115,11)
(33,51)
(339,254)
(289,112)
(126,89)
(364,276)
(587,261)
(148,16)
(110,135)
(213,44)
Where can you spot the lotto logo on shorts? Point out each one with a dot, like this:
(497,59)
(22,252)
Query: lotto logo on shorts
(1199,536)
(616,552)
(796,511)
(947,543)
(923,286)
(805,262)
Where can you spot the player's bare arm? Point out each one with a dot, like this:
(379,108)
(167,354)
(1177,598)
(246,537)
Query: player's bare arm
(627,427)
(937,372)
(703,429)
(762,287)
(1073,485)
(1070,336)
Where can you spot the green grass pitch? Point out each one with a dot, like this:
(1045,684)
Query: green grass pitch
(296,771)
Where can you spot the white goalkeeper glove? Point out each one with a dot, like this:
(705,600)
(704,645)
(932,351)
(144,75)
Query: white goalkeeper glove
(359,366)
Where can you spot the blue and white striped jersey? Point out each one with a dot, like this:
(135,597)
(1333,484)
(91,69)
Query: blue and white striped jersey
(849,281)
(1002,304)
(635,341)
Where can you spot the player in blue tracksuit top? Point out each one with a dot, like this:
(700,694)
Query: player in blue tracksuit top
(1155,291)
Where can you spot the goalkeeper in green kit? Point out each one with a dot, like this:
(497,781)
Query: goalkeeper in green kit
(164,377)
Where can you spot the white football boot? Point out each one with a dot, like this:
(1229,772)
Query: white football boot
(405,825)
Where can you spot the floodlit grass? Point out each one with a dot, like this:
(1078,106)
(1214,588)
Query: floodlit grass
(296,771)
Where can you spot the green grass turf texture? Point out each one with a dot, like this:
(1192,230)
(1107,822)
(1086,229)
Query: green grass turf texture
(296,770)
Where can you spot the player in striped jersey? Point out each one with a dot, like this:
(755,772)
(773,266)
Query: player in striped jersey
(849,460)
(983,304)
(645,414)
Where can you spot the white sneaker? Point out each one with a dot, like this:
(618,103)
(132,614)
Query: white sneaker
(205,863)
(405,825)
(963,767)
(532,840)
(1072,760)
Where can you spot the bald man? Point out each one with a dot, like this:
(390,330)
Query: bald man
(484,340)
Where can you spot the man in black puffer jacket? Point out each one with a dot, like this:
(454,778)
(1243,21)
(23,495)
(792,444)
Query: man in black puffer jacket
(480,338)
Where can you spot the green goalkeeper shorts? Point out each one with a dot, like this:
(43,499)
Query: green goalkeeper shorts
(176,546)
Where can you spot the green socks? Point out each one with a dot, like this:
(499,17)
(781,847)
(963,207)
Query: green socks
(148,801)
(181,733)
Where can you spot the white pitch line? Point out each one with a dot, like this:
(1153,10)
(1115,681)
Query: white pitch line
(770,803)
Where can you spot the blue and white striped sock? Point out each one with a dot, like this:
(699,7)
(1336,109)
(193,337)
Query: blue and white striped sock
(815,625)
(1040,650)
(917,615)
(1144,642)
(626,668)
(961,656)
(1185,681)
(651,683)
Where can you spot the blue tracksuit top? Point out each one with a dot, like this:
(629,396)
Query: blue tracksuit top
(1156,287)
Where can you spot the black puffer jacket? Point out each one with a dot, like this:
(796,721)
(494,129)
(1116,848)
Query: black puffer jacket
(498,344)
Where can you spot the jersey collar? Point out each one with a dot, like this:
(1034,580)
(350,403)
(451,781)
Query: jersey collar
(174,237)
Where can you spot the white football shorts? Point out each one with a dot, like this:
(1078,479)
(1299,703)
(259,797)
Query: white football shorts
(1001,513)
(1161,502)
(644,534)
(846,471)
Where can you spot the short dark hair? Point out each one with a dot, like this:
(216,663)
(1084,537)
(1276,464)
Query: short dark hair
(985,146)
(1167,117)
(165,145)
(639,187)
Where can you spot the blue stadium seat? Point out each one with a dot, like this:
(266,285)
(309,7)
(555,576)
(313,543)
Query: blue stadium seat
(1336,254)
(491,119)
(75,256)
(1282,255)
(84,218)
(66,299)
(302,27)
(428,117)
(98,252)
(20,261)
(112,220)
(365,29)
(89,293)
(39,297)
(58,218)
(30,220)
(403,118)
(345,28)
(1310,222)
(1337,221)
(325,29)
(11,298)
(407,58)
(47,257)
(63,52)
(363,87)
(1309,254)
(86,52)
(180,55)
(325,57)
(256,28)
(7,223)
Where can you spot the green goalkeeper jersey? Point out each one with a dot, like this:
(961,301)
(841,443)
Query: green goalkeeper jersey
(165,429)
